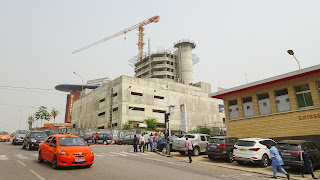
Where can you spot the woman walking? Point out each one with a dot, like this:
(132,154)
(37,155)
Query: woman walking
(141,142)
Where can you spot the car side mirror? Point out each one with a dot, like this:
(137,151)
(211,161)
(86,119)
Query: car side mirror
(53,145)
(89,144)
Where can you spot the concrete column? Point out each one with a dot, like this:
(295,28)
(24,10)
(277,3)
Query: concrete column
(292,98)
(240,108)
(255,105)
(273,104)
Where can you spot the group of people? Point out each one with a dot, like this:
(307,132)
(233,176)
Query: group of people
(94,138)
(146,140)
(277,162)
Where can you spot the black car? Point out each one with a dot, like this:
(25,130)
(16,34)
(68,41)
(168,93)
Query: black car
(221,147)
(104,138)
(18,136)
(127,139)
(32,139)
(291,152)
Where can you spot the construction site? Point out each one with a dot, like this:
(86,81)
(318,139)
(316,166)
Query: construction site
(163,83)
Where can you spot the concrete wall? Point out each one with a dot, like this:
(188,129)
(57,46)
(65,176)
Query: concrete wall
(200,108)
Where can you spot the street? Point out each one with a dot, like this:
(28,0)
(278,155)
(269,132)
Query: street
(112,162)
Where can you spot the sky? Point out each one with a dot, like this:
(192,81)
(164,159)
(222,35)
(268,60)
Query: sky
(233,38)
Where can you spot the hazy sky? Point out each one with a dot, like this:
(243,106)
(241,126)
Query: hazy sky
(232,37)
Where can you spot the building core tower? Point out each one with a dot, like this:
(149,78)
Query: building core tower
(184,60)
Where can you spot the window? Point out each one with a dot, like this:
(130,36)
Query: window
(136,94)
(114,95)
(303,95)
(247,107)
(54,141)
(203,138)
(158,111)
(233,109)
(136,109)
(101,114)
(264,104)
(48,140)
(283,105)
(318,86)
(158,97)
(102,100)
(115,109)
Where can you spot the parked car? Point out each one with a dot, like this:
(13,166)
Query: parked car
(291,152)
(33,139)
(104,138)
(253,150)
(17,136)
(221,147)
(199,142)
(127,139)
(4,136)
(65,150)
(178,133)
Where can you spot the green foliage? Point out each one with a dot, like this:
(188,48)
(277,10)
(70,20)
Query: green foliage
(42,113)
(151,123)
(127,125)
(201,130)
(54,114)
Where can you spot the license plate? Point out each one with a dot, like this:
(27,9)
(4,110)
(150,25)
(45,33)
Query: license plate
(79,160)
(242,150)
(4,137)
(285,153)
(213,146)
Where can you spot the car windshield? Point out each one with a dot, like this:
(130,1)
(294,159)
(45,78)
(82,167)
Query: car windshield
(22,131)
(71,141)
(39,135)
(246,143)
(216,140)
(4,133)
(288,146)
(189,136)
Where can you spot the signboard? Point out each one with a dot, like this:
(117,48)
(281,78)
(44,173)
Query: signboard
(183,112)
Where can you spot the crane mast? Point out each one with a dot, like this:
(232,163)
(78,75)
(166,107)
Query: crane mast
(138,26)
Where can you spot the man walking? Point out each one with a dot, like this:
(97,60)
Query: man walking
(141,142)
(96,138)
(151,142)
(307,163)
(135,142)
(146,141)
(189,148)
(276,162)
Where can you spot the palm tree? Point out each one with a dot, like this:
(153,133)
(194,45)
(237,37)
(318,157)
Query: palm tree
(42,113)
(54,114)
(30,121)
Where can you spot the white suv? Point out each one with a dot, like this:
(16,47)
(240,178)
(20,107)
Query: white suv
(253,150)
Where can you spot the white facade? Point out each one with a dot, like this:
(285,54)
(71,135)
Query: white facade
(134,99)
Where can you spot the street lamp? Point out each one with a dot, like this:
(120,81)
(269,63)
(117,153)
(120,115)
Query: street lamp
(292,54)
(80,97)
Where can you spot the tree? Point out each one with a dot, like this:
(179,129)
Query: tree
(54,114)
(42,113)
(151,123)
(127,125)
(30,121)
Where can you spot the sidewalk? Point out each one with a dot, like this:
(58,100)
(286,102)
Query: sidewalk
(252,168)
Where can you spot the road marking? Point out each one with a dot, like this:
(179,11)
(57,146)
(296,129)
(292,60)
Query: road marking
(130,154)
(3,157)
(36,155)
(20,156)
(151,153)
(37,175)
(99,155)
(118,154)
(21,163)
(142,153)
(110,155)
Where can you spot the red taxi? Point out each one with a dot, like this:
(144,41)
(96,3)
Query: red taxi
(65,150)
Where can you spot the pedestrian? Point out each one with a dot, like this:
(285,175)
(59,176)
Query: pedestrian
(306,160)
(146,141)
(151,142)
(189,148)
(96,138)
(135,143)
(155,142)
(141,142)
(162,143)
(92,137)
(276,162)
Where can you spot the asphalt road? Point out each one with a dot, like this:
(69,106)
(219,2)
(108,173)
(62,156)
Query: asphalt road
(113,162)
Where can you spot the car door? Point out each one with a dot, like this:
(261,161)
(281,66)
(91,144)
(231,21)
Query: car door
(203,143)
(126,139)
(52,148)
(44,148)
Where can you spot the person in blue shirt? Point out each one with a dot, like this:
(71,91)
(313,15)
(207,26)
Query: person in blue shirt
(276,161)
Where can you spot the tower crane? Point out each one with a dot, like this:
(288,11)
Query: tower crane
(138,26)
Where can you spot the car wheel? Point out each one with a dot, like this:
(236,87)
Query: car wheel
(182,152)
(211,157)
(23,146)
(230,157)
(240,162)
(88,166)
(40,160)
(264,161)
(105,142)
(120,143)
(196,151)
(54,162)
